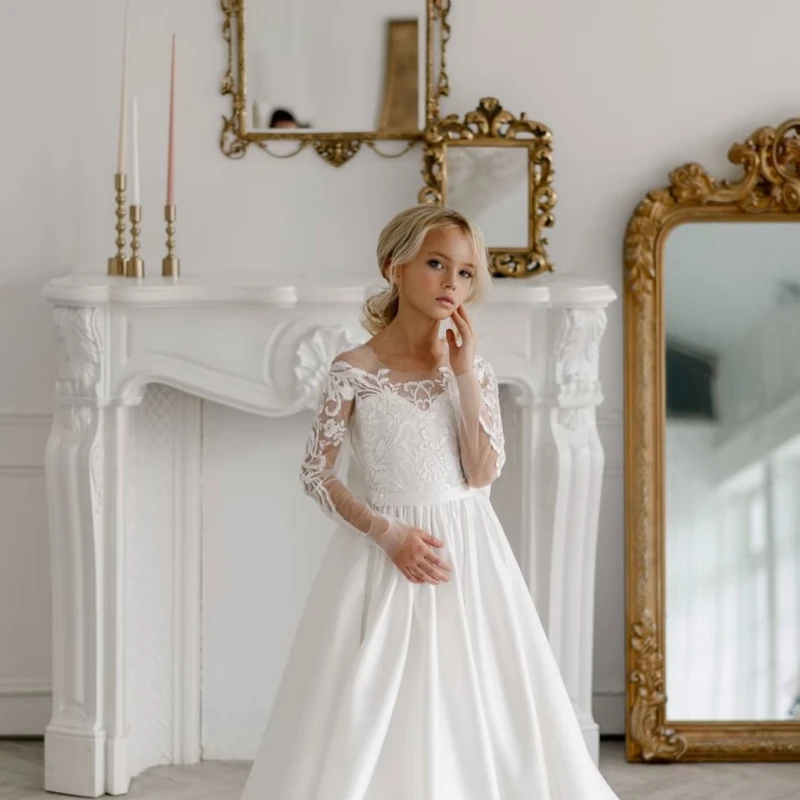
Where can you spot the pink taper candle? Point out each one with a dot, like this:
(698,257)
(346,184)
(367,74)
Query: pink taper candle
(123,108)
(171,153)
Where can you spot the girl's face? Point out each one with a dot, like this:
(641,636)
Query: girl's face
(444,270)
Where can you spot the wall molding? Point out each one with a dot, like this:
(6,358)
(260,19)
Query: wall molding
(24,687)
(609,418)
(12,416)
(23,439)
(25,703)
(25,706)
(610,427)
(608,706)
(22,470)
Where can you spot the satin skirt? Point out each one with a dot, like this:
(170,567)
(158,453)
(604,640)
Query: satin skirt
(402,691)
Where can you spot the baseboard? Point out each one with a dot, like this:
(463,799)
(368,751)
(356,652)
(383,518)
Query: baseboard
(608,708)
(25,708)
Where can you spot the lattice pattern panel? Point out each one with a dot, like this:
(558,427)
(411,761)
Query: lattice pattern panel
(151,565)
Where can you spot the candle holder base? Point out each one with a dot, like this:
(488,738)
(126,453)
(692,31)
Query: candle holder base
(171,264)
(116,266)
(171,267)
(134,267)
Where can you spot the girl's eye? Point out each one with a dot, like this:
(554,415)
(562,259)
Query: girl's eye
(436,264)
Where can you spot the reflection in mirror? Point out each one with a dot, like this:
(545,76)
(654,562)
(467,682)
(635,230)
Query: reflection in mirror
(732,481)
(353,65)
(490,185)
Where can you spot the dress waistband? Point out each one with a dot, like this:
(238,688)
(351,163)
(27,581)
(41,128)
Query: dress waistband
(421,498)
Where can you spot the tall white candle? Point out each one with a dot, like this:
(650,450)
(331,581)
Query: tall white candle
(123,108)
(135,145)
(171,143)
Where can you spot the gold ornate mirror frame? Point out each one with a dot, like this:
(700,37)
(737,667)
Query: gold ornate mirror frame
(336,148)
(769,190)
(489,125)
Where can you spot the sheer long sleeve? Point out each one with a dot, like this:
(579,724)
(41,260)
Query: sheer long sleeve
(318,471)
(480,427)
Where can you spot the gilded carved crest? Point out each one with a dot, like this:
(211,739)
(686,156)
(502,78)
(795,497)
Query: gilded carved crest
(770,159)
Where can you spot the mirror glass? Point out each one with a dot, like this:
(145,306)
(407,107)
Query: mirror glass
(490,185)
(348,66)
(732,471)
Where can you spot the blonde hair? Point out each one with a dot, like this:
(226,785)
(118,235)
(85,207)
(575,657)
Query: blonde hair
(400,242)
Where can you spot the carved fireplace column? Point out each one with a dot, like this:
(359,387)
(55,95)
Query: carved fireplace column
(562,481)
(85,740)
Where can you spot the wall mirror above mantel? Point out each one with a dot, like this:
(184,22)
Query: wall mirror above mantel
(332,76)
(498,169)
(712,350)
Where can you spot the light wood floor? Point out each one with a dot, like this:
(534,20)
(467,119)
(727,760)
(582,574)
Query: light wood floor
(21,765)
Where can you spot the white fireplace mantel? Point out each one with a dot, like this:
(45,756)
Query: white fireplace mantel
(242,341)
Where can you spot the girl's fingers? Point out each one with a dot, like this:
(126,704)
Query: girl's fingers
(463,310)
(464,327)
(427,568)
(437,562)
(418,576)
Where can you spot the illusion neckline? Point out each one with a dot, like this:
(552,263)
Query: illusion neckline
(444,363)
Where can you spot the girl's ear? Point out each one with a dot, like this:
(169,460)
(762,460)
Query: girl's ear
(385,271)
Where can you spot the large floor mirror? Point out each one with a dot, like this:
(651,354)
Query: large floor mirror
(713,460)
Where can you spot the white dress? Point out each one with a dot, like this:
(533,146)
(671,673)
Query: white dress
(397,690)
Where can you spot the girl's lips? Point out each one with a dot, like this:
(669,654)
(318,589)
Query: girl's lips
(445,300)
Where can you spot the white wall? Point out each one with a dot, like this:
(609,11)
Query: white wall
(630,90)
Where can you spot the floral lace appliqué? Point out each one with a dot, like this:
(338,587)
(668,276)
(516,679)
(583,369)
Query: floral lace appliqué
(404,433)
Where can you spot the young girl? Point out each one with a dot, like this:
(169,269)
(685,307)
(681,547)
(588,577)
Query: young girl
(420,670)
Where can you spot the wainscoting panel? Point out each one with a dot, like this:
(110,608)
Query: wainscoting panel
(25,686)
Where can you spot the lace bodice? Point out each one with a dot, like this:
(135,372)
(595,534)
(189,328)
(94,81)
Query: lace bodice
(403,436)
(406,436)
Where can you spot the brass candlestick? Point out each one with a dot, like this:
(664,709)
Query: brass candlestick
(116,264)
(134,266)
(171,264)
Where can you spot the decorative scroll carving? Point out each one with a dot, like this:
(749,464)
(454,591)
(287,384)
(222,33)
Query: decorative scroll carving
(770,159)
(315,352)
(647,679)
(337,151)
(577,346)
(80,351)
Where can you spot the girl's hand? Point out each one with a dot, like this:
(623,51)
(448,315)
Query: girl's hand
(462,357)
(418,562)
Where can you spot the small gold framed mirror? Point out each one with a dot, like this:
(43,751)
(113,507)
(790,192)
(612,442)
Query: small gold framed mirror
(712,424)
(498,170)
(332,76)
